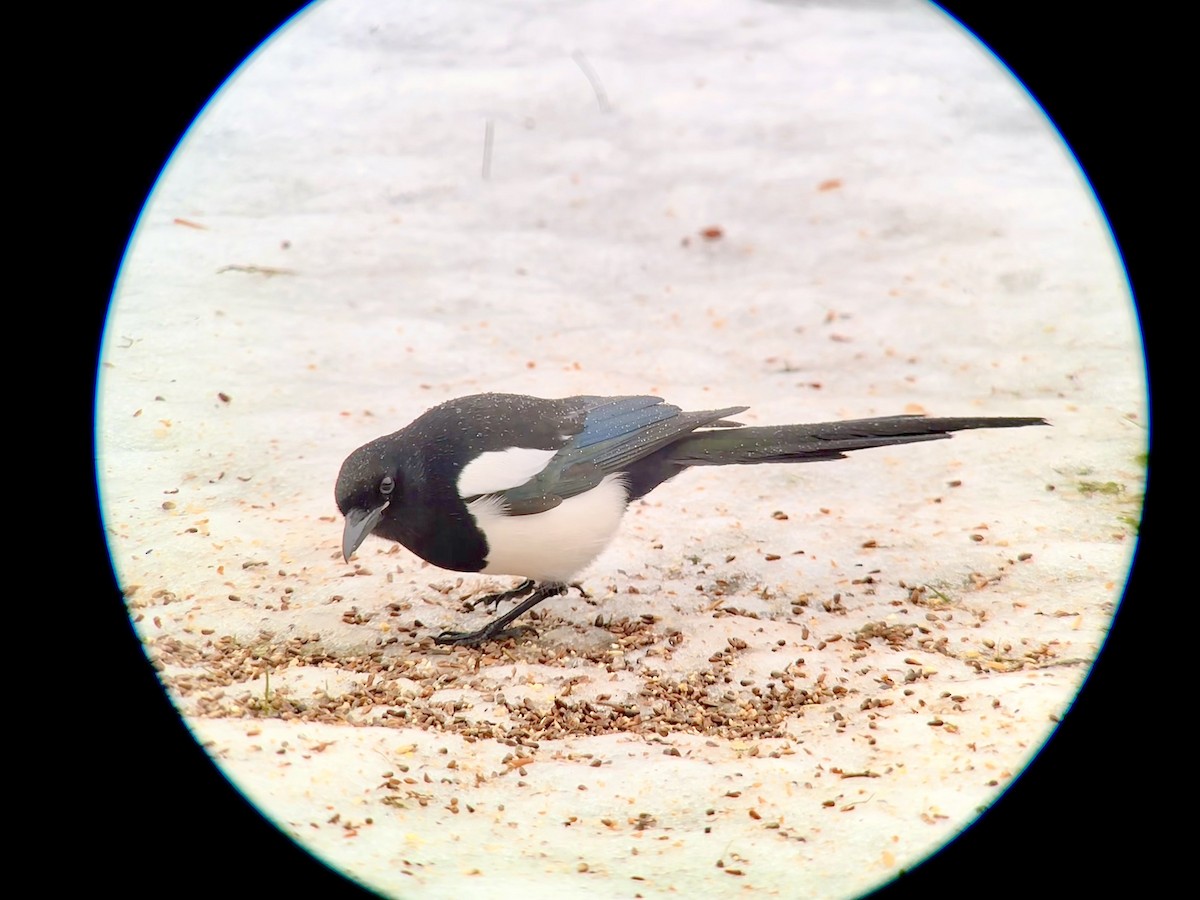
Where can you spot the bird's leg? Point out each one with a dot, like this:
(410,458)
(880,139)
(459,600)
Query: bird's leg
(496,599)
(497,629)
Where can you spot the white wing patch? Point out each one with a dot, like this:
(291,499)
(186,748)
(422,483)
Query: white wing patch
(500,470)
(554,545)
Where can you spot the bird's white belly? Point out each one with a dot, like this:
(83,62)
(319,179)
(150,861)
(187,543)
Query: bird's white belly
(554,545)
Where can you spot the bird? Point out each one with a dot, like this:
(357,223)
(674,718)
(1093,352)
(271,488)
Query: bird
(508,484)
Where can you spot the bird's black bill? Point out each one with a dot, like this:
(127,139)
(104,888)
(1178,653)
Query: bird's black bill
(359,523)
(498,629)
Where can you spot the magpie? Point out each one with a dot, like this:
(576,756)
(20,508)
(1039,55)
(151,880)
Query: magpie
(506,484)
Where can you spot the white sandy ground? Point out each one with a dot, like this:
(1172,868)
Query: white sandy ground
(901,231)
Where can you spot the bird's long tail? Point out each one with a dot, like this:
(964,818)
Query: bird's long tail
(824,440)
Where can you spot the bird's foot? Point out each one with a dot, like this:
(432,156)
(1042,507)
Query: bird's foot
(482,636)
(498,629)
(494,600)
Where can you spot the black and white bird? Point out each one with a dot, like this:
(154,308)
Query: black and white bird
(506,484)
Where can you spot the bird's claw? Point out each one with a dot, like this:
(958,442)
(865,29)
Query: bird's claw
(483,635)
(494,600)
(496,629)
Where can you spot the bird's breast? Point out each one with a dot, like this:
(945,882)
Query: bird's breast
(554,545)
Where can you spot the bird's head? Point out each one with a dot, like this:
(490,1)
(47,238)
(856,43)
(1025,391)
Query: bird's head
(369,485)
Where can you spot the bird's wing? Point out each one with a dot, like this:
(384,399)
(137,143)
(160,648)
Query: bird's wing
(615,432)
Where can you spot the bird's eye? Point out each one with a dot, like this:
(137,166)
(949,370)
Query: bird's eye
(387,485)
